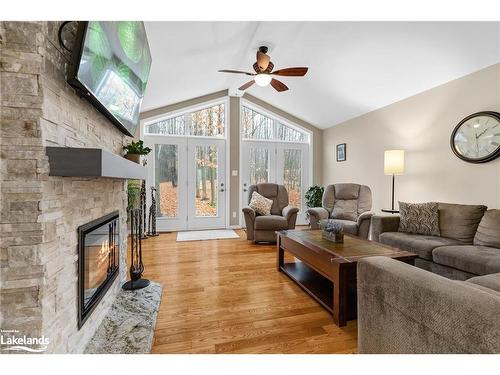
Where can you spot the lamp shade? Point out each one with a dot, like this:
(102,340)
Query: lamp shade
(394,162)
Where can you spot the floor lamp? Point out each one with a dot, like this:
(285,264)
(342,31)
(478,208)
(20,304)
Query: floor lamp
(394,164)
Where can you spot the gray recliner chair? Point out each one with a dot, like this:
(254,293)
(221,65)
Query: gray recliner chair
(348,204)
(262,228)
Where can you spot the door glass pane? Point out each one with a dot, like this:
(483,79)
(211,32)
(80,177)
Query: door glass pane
(208,122)
(167,173)
(256,125)
(292,175)
(258,165)
(206,181)
(174,126)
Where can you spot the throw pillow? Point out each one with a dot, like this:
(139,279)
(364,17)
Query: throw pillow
(260,204)
(419,218)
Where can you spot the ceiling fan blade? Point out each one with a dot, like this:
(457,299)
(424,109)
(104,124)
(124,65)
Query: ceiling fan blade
(246,85)
(270,67)
(292,72)
(278,85)
(236,71)
(262,61)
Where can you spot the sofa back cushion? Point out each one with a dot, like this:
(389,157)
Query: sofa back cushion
(419,218)
(460,221)
(347,201)
(277,193)
(488,231)
(345,209)
(345,205)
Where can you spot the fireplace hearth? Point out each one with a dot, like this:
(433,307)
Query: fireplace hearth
(98,262)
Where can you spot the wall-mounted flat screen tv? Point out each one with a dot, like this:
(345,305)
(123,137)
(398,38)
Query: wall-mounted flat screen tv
(110,68)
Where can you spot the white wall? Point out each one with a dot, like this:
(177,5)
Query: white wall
(421,125)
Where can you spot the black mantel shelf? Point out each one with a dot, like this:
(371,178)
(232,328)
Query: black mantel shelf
(92,162)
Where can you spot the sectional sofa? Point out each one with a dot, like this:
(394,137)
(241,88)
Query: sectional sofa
(403,309)
(468,245)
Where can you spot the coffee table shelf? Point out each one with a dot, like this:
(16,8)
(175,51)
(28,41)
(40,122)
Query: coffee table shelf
(315,284)
(327,271)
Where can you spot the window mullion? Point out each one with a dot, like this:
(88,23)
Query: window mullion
(187,121)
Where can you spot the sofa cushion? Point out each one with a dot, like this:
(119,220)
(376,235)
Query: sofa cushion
(488,281)
(415,243)
(479,260)
(271,222)
(419,218)
(260,204)
(345,209)
(488,231)
(460,221)
(350,227)
(480,287)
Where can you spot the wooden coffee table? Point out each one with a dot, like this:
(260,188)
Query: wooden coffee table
(327,270)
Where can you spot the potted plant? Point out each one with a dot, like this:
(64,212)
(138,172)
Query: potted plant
(333,231)
(313,197)
(134,150)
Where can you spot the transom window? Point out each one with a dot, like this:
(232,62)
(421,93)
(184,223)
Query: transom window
(258,126)
(205,122)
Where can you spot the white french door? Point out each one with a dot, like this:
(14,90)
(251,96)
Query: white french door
(283,163)
(206,186)
(189,176)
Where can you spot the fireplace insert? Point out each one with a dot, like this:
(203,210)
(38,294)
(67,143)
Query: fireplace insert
(98,262)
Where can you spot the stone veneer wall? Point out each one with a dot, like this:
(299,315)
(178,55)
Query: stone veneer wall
(40,214)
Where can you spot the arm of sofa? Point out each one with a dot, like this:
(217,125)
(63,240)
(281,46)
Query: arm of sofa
(404,309)
(364,221)
(315,215)
(249,221)
(381,224)
(290,213)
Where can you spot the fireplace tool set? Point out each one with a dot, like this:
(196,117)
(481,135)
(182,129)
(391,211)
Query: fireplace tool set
(152,215)
(136,266)
(139,231)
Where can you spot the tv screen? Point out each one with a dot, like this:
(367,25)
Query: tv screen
(111,68)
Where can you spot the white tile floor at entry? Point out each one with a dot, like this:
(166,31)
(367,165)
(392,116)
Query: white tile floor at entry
(200,235)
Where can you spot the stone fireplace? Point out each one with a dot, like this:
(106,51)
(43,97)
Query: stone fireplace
(40,213)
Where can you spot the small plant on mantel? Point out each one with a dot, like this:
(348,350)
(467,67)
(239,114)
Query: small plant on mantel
(135,150)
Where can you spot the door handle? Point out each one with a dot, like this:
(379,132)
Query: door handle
(245,190)
(222,190)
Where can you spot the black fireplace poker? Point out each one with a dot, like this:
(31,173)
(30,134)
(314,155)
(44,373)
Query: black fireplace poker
(136,266)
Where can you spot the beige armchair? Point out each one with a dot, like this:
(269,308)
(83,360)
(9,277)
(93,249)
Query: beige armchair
(262,228)
(348,204)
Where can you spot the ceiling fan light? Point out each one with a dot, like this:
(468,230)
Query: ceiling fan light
(263,79)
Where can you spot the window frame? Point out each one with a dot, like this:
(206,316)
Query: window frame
(276,121)
(307,173)
(186,112)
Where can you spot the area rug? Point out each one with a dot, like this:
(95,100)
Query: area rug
(200,235)
(128,327)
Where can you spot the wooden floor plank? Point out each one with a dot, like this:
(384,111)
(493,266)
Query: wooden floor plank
(226,296)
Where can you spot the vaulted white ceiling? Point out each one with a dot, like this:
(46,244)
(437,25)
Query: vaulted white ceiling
(354,67)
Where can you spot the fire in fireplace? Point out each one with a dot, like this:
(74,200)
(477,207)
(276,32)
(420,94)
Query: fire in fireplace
(98,262)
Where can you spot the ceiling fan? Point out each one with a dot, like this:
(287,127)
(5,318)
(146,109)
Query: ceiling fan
(264,71)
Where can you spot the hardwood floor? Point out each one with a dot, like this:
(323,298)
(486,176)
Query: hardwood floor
(226,296)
